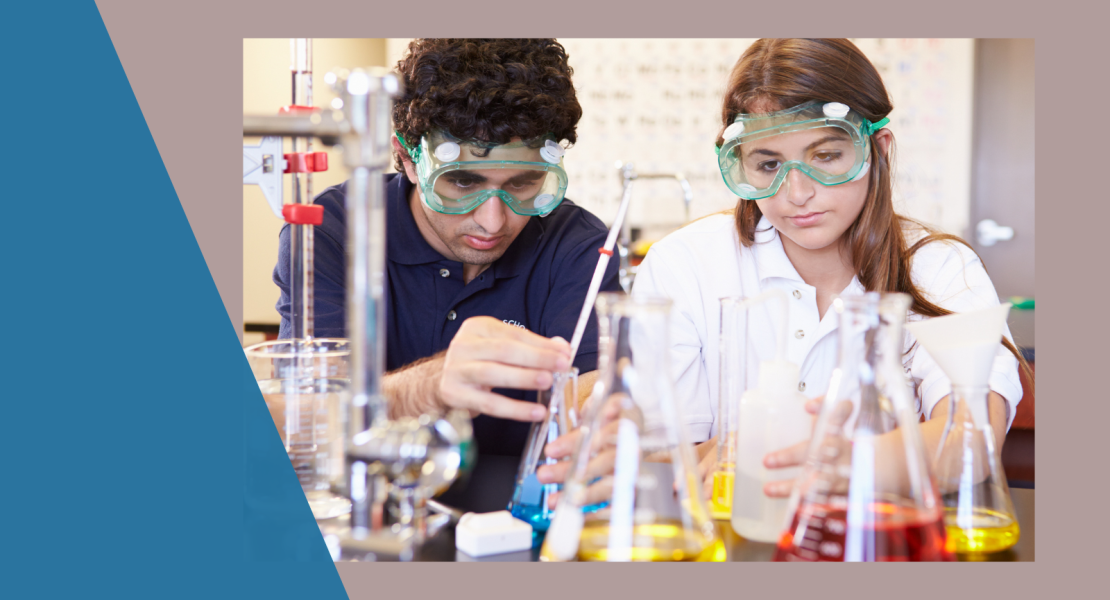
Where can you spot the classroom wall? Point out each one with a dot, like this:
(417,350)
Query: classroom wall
(657,103)
(267,86)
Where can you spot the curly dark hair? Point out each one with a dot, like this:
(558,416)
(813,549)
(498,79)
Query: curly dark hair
(488,90)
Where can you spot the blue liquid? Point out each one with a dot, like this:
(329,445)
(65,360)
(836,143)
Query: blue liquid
(529,504)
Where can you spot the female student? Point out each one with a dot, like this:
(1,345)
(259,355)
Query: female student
(814,218)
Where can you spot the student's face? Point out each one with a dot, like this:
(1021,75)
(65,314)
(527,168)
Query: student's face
(481,236)
(811,215)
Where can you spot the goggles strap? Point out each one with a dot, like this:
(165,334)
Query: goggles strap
(414,154)
(870,128)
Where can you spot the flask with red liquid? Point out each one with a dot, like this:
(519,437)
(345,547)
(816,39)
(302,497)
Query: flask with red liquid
(866,492)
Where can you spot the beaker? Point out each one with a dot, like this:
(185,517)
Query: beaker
(529,501)
(866,492)
(306,385)
(761,411)
(635,440)
(977,507)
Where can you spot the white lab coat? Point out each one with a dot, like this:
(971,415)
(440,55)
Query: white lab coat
(703,262)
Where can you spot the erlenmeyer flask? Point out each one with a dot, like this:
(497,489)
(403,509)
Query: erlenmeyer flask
(866,492)
(529,501)
(761,411)
(634,438)
(978,511)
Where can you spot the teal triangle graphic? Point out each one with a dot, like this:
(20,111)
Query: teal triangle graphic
(141,460)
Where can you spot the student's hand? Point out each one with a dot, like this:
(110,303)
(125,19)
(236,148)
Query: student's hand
(487,353)
(707,464)
(601,462)
(795,455)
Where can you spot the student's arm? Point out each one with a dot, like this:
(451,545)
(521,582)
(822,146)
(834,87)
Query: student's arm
(953,277)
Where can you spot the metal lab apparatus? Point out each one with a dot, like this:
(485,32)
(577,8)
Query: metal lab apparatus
(404,461)
(628,174)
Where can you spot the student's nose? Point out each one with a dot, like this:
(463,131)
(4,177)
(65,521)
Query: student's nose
(799,187)
(490,216)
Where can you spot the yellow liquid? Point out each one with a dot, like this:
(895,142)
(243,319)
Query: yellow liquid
(720,505)
(657,542)
(991,531)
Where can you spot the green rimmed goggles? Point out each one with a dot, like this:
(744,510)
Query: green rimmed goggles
(828,141)
(455,176)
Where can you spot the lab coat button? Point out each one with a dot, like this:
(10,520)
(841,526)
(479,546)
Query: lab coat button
(797,294)
(799,334)
(802,386)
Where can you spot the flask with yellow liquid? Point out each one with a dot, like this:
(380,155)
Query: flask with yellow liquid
(633,456)
(979,514)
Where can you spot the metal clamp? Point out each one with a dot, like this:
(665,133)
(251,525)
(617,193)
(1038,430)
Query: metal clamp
(628,174)
(406,460)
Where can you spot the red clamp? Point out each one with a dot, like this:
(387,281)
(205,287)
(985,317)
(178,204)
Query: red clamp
(604,251)
(305,162)
(303,214)
(297,109)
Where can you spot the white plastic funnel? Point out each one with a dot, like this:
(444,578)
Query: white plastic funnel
(964,344)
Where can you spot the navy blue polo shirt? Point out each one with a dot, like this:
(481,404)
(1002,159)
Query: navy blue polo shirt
(539,284)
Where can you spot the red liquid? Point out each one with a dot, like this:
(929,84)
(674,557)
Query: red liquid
(899,534)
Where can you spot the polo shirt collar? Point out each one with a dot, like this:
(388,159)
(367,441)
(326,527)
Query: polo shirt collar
(770,256)
(521,254)
(772,262)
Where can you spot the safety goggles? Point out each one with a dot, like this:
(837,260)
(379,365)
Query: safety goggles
(828,141)
(455,176)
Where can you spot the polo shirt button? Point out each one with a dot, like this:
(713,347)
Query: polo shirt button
(802,386)
(451,316)
(444,273)
(797,294)
(799,334)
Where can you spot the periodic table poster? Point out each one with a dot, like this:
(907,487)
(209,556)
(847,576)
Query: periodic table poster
(657,104)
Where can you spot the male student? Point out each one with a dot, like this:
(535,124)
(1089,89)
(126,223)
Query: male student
(487,263)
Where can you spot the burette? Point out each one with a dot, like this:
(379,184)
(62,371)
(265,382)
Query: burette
(301,238)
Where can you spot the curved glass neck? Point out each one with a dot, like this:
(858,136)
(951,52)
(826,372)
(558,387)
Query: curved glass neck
(870,352)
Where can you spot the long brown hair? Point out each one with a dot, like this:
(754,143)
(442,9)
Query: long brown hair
(782,73)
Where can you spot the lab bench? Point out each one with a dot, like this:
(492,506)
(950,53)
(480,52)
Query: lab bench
(491,485)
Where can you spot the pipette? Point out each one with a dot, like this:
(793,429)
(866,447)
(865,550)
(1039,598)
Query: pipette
(602,263)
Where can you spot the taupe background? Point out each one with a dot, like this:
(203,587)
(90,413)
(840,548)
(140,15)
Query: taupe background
(184,63)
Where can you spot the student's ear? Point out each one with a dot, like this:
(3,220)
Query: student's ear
(410,170)
(884,138)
